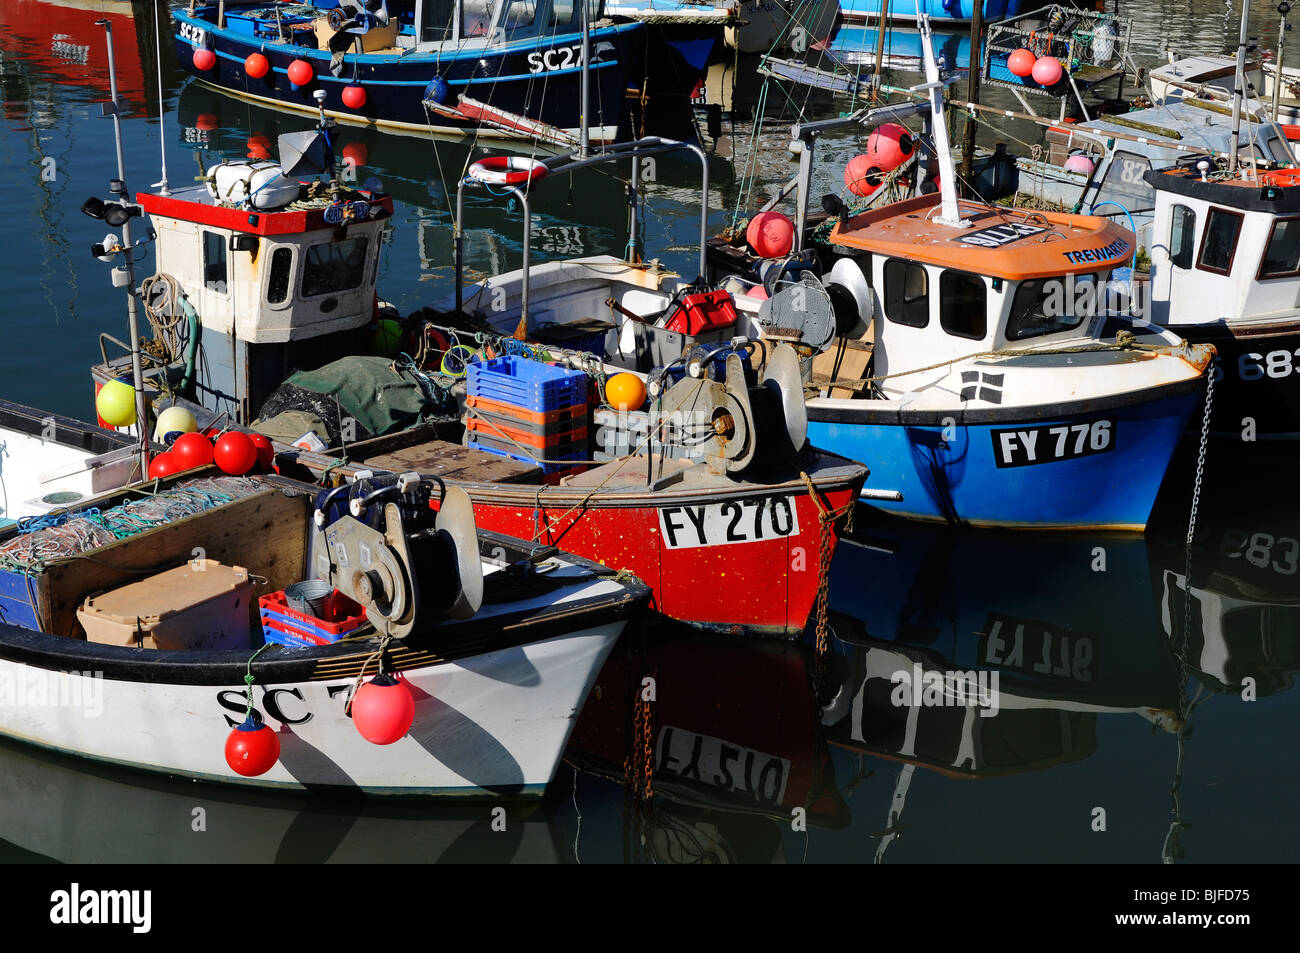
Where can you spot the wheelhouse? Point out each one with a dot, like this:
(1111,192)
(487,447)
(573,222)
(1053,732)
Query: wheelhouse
(1225,250)
(1007,279)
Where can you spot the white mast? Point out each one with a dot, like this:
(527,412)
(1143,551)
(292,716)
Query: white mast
(948,212)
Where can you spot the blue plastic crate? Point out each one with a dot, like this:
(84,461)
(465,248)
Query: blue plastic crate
(283,638)
(298,623)
(531,385)
(564,461)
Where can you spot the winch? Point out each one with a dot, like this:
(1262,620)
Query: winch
(377,541)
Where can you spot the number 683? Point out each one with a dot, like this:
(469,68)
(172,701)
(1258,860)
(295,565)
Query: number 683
(1254,367)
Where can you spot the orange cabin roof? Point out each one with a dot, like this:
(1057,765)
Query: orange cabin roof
(1000,242)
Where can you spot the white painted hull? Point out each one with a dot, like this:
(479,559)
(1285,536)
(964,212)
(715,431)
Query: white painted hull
(496,722)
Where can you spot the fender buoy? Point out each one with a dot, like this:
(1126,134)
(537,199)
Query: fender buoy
(204,59)
(507,170)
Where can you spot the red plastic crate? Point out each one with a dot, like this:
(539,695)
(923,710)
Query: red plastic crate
(702,312)
(344,615)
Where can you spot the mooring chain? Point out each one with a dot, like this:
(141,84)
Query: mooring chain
(1187,553)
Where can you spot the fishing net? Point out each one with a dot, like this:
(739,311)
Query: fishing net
(42,540)
(378,395)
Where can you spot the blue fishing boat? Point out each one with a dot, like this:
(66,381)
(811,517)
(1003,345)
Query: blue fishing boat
(978,363)
(513,69)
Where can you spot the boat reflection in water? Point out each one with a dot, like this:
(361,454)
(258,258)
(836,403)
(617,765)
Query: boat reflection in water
(585,215)
(979,655)
(733,745)
(99,814)
(1244,632)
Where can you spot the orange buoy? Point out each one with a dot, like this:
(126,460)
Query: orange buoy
(204,59)
(256,65)
(1021,62)
(354,97)
(1047,71)
(625,392)
(889,146)
(862,176)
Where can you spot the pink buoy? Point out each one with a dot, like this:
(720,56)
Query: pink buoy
(354,97)
(889,146)
(256,65)
(1080,163)
(1021,62)
(770,234)
(204,59)
(301,73)
(383,710)
(1047,71)
(862,176)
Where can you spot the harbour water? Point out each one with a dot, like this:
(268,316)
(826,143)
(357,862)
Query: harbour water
(760,752)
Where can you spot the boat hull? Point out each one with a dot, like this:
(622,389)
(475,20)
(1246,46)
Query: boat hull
(969,472)
(761,587)
(494,723)
(513,77)
(1255,399)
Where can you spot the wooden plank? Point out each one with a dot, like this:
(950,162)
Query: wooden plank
(266,533)
(454,461)
(847,363)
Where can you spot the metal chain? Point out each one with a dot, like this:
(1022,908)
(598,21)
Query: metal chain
(1186,635)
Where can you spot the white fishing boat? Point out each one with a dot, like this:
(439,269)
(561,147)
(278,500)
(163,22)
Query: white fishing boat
(134,634)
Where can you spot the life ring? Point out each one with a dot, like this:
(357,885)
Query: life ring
(507,170)
(1284,178)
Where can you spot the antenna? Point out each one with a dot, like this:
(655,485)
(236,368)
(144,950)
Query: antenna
(162,107)
(1240,89)
(584,131)
(118,186)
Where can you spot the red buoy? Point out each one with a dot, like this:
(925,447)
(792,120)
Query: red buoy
(889,146)
(163,464)
(354,97)
(204,59)
(256,65)
(252,748)
(191,450)
(383,710)
(862,176)
(265,451)
(234,453)
(1047,71)
(1021,62)
(770,234)
(301,73)
(259,147)
(356,154)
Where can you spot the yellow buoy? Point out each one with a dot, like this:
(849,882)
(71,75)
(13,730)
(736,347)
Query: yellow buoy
(625,392)
(115,404)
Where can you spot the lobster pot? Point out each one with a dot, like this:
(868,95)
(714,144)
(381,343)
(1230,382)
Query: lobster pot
(530,411)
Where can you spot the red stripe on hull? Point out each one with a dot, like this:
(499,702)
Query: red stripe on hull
(765,587)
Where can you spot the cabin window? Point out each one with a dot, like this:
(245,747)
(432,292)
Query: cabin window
(519,14)
(907,293)
(476,17)
(334,266)
(565,13)
(1282,256)
(963,304)
(1182,236)
(1050,305)
(214,262)
(437,18)
(277,283)
(1219,242)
